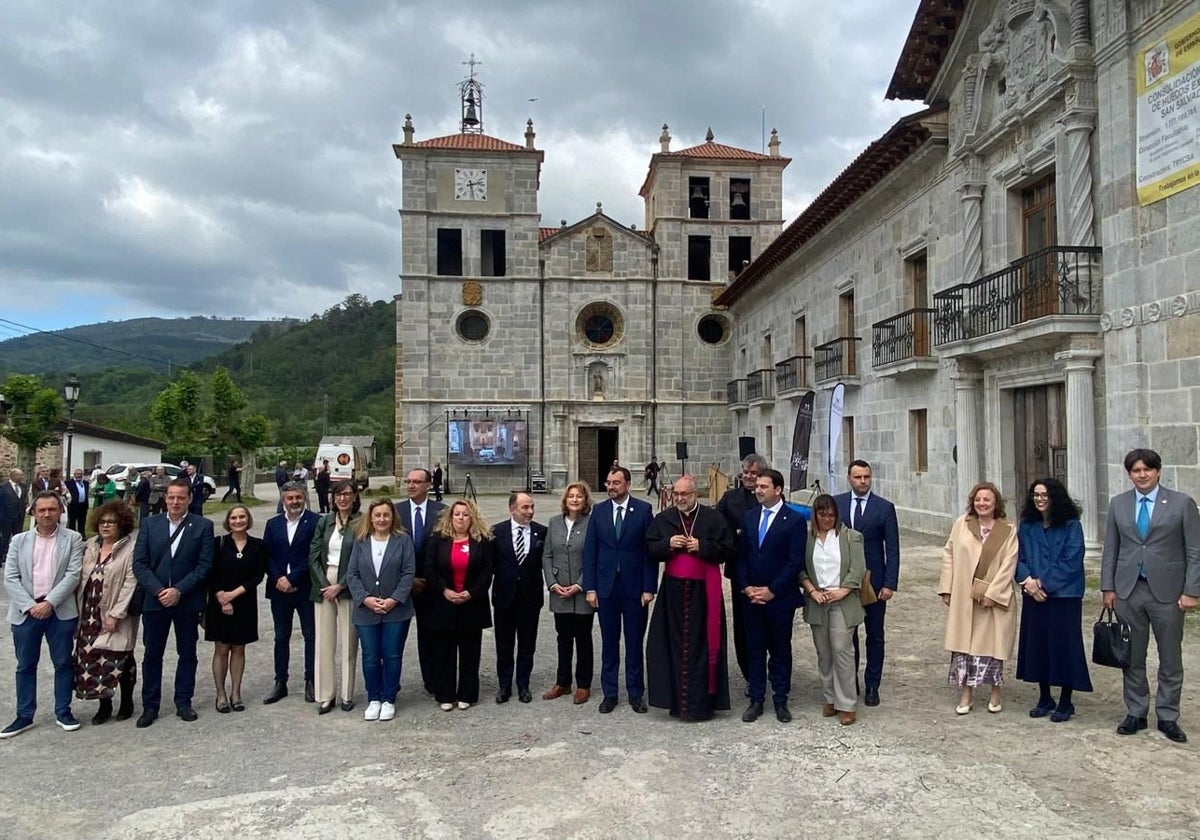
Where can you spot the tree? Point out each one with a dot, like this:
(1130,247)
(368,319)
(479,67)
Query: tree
(30,424)
(175,411)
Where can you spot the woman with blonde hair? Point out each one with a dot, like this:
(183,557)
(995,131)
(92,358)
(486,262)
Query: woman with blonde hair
(562,566)
(978,565)
(459,562)
(107,632)
(380,575)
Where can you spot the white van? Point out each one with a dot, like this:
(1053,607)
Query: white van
(346,462)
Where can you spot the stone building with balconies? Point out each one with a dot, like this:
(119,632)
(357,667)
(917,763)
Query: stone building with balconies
(1003,292)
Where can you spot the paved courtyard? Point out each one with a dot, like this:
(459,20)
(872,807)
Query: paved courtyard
(908,768)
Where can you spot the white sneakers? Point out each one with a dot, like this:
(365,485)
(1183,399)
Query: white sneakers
(380,711)
(445,707)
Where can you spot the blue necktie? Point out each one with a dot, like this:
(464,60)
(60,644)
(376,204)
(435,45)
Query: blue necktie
(858,502)
(762,526)
(418,527)
(620,520)
(1143,517)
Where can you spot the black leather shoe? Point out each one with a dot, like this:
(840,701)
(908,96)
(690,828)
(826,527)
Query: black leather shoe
(147,718)
(347,705)
(524,696)
(782,714)
(186,713)
(326,708)
(310,693)
(277,693)
(872,696)
(607,705)
(1131,725)
(753,712)
(1171,729)
(502,695)
(638,704)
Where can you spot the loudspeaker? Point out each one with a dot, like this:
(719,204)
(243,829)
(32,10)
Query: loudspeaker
(681,450)
(745,447)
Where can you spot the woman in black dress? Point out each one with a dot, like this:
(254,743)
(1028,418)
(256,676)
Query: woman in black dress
(231,617)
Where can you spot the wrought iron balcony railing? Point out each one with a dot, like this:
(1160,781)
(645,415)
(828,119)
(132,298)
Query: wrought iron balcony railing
(736,392)
(835,359)
(758,385)
(1059,280)
(791,374)
(901,337)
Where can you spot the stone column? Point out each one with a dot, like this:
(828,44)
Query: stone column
(966,427)
(970,194)
(1079,363)
(1075,200)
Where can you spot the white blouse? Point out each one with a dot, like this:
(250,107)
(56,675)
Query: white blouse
(333,557)
(378,548)
(827,561)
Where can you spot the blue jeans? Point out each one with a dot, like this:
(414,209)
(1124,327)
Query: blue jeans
(59,634)
(382,650)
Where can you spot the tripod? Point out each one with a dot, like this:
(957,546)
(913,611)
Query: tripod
(469,489)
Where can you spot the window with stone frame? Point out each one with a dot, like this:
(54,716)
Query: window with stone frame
(449,252)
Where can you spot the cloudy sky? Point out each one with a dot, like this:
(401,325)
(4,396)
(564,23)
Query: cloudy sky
(232,158)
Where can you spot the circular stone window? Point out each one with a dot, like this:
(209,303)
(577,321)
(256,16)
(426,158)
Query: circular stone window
(472,325)
(600,324)
(713,329)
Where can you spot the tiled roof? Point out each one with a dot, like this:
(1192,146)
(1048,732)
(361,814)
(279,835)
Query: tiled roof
(867,170)
(545,233)
(925,48)
(719,151)
(469,142)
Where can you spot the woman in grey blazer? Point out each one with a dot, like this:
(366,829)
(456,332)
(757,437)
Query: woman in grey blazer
(562,565)
(834,565)
(379,577)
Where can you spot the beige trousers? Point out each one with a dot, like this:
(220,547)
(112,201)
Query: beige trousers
(834,642)
(336,639)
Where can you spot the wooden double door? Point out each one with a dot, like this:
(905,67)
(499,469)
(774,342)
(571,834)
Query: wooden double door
(1039,438)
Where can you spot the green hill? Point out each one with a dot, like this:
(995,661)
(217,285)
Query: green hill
(141,343)
(334,372)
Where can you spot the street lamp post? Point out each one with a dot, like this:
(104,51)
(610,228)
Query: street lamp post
(71,395)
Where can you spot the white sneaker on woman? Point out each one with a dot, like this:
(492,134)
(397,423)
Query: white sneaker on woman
(463,705)
(446,707)
(388,711)
(373,710)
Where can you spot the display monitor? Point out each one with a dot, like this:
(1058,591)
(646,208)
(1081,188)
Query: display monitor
(486,442)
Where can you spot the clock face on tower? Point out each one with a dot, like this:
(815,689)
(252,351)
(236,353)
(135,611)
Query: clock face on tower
(470,185)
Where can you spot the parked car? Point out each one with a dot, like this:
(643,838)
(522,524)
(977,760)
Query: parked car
(126,471)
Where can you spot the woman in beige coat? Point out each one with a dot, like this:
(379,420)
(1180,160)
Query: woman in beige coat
(107,633)
(834,565)
(977,584)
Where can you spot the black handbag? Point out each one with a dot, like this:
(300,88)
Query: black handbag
(1110,641)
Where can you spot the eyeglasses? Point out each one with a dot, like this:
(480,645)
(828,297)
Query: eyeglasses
(104,522)
(1041,495)
(345,494)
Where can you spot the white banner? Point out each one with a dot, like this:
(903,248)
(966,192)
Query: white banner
(836,403)
(1168,113)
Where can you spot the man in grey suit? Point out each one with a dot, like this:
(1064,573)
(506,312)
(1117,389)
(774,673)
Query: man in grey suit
(40,576)
(1151,574)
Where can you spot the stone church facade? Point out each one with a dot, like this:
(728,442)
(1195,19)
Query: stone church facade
(600,341)
(983,279)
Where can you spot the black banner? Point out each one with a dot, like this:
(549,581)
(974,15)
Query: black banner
(801,438)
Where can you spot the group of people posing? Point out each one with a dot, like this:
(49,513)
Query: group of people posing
(358,580)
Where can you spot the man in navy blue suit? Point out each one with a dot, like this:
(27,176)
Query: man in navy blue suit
(620,583)
(518,594)
(773,542)
(171,560)
(287,539)
(419,516)
(875,518)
